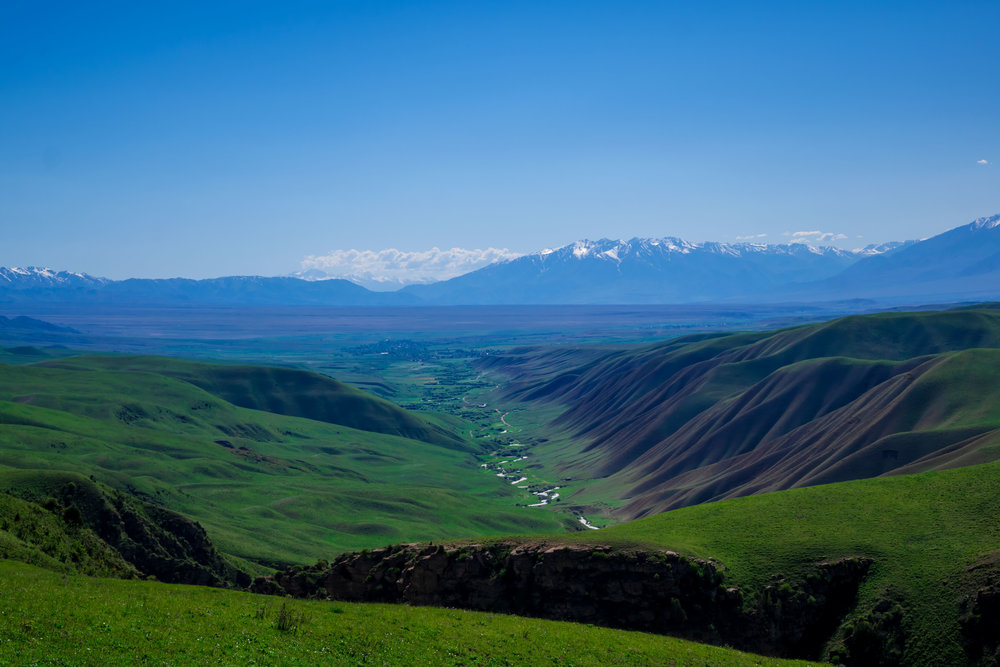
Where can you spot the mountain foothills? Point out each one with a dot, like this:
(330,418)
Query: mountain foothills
(822,492)
(963,263)
(707,417)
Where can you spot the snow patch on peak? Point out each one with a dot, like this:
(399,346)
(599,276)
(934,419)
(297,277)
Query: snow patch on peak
(36,275)
(621,250)
(581,249)
(880,248)
(991,222)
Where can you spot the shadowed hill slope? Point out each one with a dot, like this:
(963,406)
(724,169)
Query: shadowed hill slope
(704,418)
(90,528)
(283,391)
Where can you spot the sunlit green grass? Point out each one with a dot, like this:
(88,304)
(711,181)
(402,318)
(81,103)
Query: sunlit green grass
(47,618)
(265,486)
(924,532)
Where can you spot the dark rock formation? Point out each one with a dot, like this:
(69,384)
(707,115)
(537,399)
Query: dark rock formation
(156,541)
(653,591)
(796,618)
(875,638)
(981,626)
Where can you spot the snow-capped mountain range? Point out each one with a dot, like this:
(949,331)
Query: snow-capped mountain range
(45,277)
(622,249)
(960,264)
(43,285)
(638,270)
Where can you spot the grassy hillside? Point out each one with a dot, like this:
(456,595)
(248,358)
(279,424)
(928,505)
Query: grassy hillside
(283,391)
(934,538)
(31,534)
(68,521)
(711,417)
(51,618)
(266,487)
(26,354)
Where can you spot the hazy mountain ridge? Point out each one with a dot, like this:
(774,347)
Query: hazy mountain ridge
(960,264)
(30,326)
(34,284)
(34,275)
(963,262)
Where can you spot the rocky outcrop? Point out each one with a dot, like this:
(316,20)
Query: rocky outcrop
(876,637)
(796,618)
(653,591)
(156,541)
(981,626)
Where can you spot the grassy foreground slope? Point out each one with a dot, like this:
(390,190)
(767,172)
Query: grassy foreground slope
(267,487)
(705,418)
(934,538)
(51,618)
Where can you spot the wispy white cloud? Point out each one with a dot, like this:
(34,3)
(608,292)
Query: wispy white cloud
(983,162)
(816,237)
(391,268)
(751,237)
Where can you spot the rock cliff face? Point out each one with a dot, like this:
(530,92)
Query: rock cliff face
(653,591)
(981,625)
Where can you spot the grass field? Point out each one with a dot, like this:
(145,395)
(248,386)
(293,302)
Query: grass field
(266,486)
(934,537)
(49,618)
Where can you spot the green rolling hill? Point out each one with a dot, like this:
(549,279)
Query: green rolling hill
(267,487)
(704,418)
(283,391)
(934,538)
(928,597)
(58,619)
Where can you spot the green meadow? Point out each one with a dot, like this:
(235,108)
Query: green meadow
(268,487)
(49,618)
(934,538)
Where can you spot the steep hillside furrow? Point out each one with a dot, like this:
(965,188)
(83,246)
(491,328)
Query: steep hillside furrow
(700,419)
(893,424)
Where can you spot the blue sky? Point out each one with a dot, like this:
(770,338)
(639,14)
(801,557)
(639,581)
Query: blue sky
(148,139)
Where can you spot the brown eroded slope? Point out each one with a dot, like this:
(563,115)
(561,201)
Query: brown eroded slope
(704,418)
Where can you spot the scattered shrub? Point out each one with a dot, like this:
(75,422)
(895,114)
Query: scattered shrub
(288,620)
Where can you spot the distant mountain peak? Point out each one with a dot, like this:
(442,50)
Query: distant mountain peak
(991,222)
(881,248)
(43,285)
(43,275)
(637,247)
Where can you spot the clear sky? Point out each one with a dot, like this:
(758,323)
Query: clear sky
(213,138)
